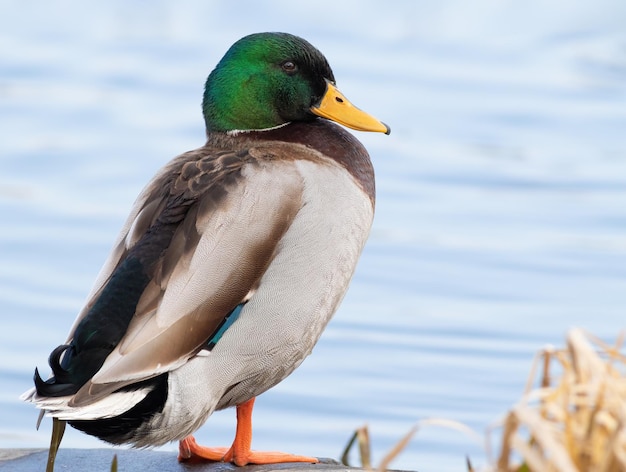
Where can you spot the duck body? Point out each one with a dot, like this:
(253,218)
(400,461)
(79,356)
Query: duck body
(303,209)
(231,263)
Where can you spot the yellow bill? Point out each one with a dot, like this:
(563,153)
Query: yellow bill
(336,107)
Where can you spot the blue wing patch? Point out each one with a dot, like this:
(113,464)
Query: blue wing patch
(224,325)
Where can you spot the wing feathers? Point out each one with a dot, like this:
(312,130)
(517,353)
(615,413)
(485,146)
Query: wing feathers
(219,248)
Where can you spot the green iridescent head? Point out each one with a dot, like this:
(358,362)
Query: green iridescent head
(263,81)
(268,79)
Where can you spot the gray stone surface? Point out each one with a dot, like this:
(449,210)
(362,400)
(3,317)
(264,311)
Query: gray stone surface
(99,460)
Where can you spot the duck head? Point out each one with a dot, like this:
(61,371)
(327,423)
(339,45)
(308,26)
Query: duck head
(267,80)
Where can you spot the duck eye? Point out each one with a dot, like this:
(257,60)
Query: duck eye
(289,66)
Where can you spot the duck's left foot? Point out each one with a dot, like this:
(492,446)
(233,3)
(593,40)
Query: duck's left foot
(241,452)
(265,457)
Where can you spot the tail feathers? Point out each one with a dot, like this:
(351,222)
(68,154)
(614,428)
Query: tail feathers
(110,406)
(52,387)
(119,417)
(60,384)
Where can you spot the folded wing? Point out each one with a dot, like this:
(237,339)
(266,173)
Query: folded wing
(195,247)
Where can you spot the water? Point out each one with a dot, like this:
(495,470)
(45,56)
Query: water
(501,213)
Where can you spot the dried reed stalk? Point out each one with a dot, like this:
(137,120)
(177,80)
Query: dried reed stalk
(577,423)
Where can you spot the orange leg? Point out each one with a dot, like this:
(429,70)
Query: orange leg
(240,452)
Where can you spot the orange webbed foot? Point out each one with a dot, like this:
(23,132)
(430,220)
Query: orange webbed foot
(189,450)
(240,452)
(265,457)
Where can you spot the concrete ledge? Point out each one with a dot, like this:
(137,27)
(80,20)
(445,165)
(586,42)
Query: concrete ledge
(99,460)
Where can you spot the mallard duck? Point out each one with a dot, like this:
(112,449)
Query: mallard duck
(231,262)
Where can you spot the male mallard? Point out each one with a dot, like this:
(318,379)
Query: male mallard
(231,263)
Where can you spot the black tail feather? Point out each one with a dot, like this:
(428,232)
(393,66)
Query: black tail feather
(51,388)
(122,428)
(60,384)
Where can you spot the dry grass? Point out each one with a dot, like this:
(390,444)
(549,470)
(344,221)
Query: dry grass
(576,422)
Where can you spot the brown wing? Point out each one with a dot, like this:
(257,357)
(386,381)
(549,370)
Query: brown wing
(230,211)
